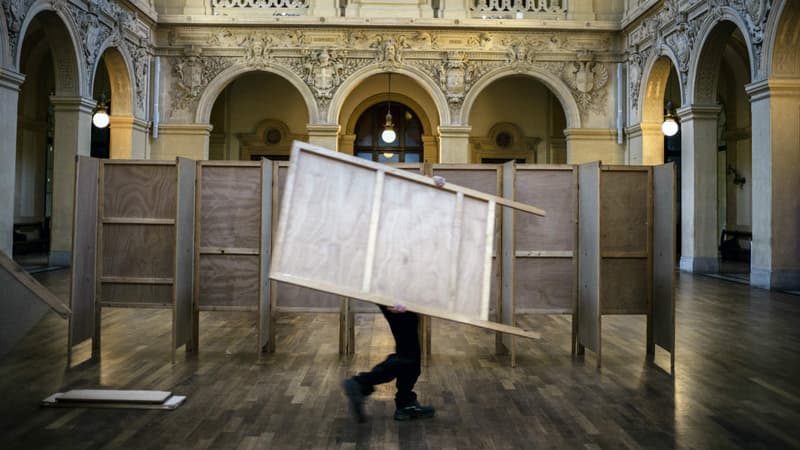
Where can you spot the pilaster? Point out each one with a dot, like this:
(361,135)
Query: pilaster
(326,136)
(73,137)
(699,188)
(10,82)
(128,137)
(454,144)
(189,140)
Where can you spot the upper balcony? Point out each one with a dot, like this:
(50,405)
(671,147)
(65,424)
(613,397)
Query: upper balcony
(478,13)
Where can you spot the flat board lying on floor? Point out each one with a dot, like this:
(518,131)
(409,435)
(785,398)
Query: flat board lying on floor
(387,236)
(110,398)
(114,395)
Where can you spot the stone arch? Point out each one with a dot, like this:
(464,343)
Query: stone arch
(221,81)
(653,83)
(69,64)
(346,88)
(781,52)
(705,63)
(120,72)
(555,85)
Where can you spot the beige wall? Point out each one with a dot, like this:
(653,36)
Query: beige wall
(249,100)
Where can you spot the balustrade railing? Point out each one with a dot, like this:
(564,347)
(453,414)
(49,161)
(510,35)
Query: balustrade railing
(276,7)
(504,9)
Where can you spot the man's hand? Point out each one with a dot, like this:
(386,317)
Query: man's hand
(398,308)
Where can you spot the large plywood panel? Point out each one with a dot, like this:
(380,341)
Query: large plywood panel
(412,235)
(139,190)
(589,299)
(545,285)
(132,250)
(624,210)
(625,287)
(84,250)
(328,242)
(409,261)
(229,280)
(664,256)
(555,191)
(230,204)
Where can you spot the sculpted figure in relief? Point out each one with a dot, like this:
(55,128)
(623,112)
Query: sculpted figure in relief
(323,72)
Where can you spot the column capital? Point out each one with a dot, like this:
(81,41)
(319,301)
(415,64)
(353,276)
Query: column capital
(320,129)
(455,130)
(698,112)
(590,134)
(186,128)
(647,127)
(80,104)
(784,87)
(10,79)
(129,122)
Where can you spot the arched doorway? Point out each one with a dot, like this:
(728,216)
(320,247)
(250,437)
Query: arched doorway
(517,118)
(717,174)
(405,145)
(112,89)
(257,115)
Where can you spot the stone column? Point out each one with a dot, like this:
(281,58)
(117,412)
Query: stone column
(326,136)
(775,249)
(189,140)
(592,144)
(73,137)
(10,82)
(645,144)
(128,137)
(699,188)
(454,144)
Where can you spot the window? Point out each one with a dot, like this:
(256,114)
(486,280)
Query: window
(406,148)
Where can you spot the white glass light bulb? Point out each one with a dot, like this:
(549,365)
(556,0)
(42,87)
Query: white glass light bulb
(669,127)
(388,135)
(100,119)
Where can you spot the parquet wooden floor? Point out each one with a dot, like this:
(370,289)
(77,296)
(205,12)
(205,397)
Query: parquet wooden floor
(737,383)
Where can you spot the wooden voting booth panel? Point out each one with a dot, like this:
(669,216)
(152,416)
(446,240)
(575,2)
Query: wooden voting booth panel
(233,211)
(589,298)
(664,242)
(144,243)
(386,236)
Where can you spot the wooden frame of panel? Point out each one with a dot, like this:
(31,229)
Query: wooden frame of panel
(233,214)
(664,259)
(589,274)
(399,204)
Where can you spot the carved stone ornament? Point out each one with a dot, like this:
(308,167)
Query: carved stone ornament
(323,72)
(15,12)
(257,49)
(140,54)
(191,75)
(586,78)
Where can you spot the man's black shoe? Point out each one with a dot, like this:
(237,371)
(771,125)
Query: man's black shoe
(415,411)
(355,394)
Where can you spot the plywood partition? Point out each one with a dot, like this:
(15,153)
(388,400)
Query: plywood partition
(233,212)
(144,215)
(84,249)
(546,247)
(386,235)
(589,274)
(664,225)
